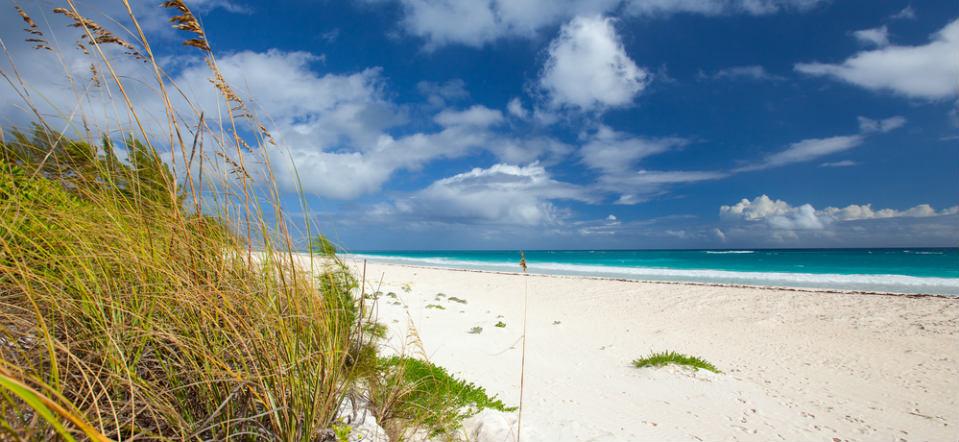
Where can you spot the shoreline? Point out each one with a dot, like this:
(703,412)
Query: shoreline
(667,282)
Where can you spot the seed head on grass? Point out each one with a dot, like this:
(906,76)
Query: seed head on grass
(670,357)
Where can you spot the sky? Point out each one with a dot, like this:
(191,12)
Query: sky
(580,124)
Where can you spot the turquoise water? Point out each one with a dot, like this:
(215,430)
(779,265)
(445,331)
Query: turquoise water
(921,270)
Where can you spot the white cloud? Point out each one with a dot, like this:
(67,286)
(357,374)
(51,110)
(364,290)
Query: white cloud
(478,22)
(751,72)
(638,187)
(715,7)
(858,212)
(928,71)
(471,22)
(780,215)
(814,148)
(501,194)
(612,152)
(588,68)
(336,128)
(874,36)
(906,13)
(526,150)
(516,109)
(477,115)
(719,234)
(615,156)
(867,125)
(843,163)
(806,150)
(439,94)
(226,5)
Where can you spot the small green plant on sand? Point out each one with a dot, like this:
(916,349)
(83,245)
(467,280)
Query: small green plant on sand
(476,330)
(375,329)
(407,287)
(670,357)
(435,306)
(501,324)
(342,432)
(455,299)
(433,398)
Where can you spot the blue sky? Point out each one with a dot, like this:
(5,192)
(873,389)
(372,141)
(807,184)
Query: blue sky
(419,124)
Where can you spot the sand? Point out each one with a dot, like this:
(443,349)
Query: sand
(796,365)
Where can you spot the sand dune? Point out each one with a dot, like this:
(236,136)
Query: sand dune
(796,365)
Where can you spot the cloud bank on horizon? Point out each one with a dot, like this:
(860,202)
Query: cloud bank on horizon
(583,123)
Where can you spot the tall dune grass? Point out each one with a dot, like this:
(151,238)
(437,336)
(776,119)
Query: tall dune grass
(132,304)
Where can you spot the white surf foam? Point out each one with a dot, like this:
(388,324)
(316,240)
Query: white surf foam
(864,282)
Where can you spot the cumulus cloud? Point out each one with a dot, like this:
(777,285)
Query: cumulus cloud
(780,215)
(776,213)
(926,71)
(336,128)
(500,194)
(873,36)
(478,22)
(588,68)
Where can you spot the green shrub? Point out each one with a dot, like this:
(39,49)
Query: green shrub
(432,398)
(670,357)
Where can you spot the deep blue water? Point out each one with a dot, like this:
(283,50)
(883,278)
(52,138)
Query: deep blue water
(919,270)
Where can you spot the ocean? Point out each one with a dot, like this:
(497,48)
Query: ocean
(914,270)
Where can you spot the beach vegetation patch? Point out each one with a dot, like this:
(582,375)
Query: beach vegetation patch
(501,324)
(427,396)
(673,358)
(377,330)
(435,306)
(321,245)
(476,330)
(455,299)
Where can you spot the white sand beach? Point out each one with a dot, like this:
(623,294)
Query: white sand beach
(796,365)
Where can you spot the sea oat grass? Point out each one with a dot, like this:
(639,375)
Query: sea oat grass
(132,304)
